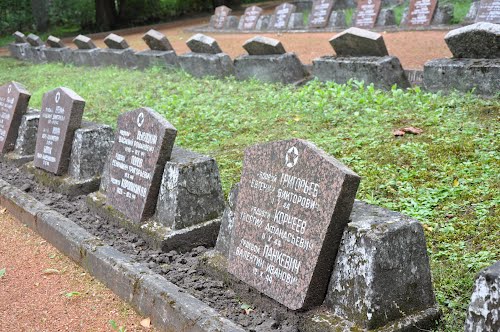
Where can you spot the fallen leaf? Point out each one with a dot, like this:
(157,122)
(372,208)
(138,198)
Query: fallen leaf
(2,211)
(398,132)
(2,272)
(146,322)
(456,183)
(50,271)
(72,294)
(413,130)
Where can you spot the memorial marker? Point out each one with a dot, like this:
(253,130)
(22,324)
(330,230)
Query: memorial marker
(282,16)
(14,99)
(320,13)
(367,13)
(293,204)
(489,11)
(251,16)
(421,12)
(221,15)
(61,115)
(143,144)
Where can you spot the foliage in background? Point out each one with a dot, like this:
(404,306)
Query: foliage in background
(447,177)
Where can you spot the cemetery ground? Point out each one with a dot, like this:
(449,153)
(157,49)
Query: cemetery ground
(446,177)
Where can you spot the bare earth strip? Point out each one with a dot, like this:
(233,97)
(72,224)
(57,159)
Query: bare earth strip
(43,290)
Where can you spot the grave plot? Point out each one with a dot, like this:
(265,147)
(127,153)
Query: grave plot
(170,196)
(117,54)
(57,50)
(86,54)
(160,52)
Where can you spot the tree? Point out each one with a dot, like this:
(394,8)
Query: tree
(40,12)
(105,14)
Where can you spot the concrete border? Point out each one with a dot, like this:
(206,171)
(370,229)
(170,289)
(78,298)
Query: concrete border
(170,308)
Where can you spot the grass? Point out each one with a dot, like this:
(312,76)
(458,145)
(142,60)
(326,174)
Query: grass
(447,177)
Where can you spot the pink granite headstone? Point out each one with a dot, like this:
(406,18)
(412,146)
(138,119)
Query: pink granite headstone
(421,12)
(281,16)
(252,15)
(14,99)
(489,11)
(367,13)
(221,15)
(320,13)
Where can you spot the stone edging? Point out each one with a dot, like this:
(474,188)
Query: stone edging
(168,306)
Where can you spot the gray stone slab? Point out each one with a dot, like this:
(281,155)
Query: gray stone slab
(296,21)
(26,139)
(420,13)
(58,54)
(85,57)
(284,68)
(227,223)
(263,23)
(484,309)
(115,57)
(320,13)
(14,99)
(201,43)
(150,58)
(488,11)
(386,18)
(18,51)
(355,42)
(84,42)
(34,40)
(200,65)
(249,20)
(382,271)
(220,17)
(383,72)
(116,42)
(19,37)
(463,75)
(281,16)
(337,19)
(55,42)
(157,41)
(472,13)
(477,41)
(367,13)
(37,54)
(260,45)
(443,15)
(232,23)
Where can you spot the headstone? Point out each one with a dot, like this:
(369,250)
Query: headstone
(263,46)
(358,42)
(320,13)
(367,13)
(55,42)
(157,41)
(19,49)
(296,21)
(420,12)
(26,139)
(476,41)
(281,16)
(34,40)
(61,115)
(263,22)
(293,204)
(489,11)
(221,15)
(143,144)
(443,15)
(201,43)
(14,99)
(84,43)
(19,37)
(337,19)
(115,42)
(386,18)
(232,22)
(484,309)
(472,13)
(250,18)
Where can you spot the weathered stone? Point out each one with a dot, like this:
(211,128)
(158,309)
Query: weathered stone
(232,23)
(115,57)
(355,42)
(383,72)
(263,46)
(26,139)
(63,55)
(220,17)
(85,57)
(90,149)
(285,68)
(415,76)
(200,43)
(14,99)
(200,65)
(484,309)
(19,37)
(311,229)
(263,22)
(472,13)
(382,271)
(18,51)
(477,41)
(420,12)
(157,41)
(337,19)
(143,144)
(150,58)
(386,18)
(84,43)
(61,115)
(249,20)
(443,15)
(296,21)
(320,13)
(115,42)
(488,11)
(34,40)
(55,42)
(463,75)
(190,191)
(281,17)
(367,13)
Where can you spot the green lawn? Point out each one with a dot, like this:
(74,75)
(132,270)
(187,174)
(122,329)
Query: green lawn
(447,177)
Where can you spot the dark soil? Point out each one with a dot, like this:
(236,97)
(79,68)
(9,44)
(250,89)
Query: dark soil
(182,269)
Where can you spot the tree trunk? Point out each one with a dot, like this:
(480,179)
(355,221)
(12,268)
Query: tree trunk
(40,11)
(105,14)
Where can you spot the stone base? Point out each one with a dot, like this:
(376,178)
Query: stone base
(37,54)
(383,72)
(147,59)
(155,234)
(120,58)
(58,54)
(63,184)
(24,149)
(201,64)
(18,51)
(85,58)
(463,75)
(284,68)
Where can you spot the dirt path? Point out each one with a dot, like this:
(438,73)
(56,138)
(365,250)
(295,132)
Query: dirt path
(43,290)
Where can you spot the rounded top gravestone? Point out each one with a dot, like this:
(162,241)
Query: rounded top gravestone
(221,15)
(251,16)
(293,204)
(14,99)
(61,115)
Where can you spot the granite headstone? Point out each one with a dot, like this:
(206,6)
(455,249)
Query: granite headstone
(55,42)
(34,40)
(359,42)
(420,12)
(320,13)
(221,15)
(250,18)
(143,144)
(84,43)
(475,41)
(201,43)
(116,42)
(14,99)
(61,115)
(293,204)
(19,37)
(281,16)
(367,13)
(260,45)
(489,11)
(157,41)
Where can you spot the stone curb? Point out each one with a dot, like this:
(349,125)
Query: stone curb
(168,306)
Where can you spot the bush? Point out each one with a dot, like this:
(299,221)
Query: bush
(15,15)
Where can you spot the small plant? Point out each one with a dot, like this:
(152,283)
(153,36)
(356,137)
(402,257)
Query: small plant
(115,326)
(2,272)
(72,294)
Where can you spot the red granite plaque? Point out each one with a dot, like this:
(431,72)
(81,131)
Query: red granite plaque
(143,144)
(281,16)
(252,15)
(367,13)
(293,204)
(221,15)
(421,12)
(320,13)
(489,11)
(14,99)
(61,115)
